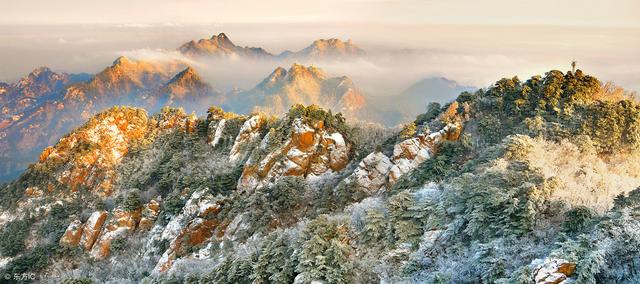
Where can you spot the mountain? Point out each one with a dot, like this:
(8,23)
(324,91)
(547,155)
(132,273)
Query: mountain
(523,182)
(300,85)
(415,99)
(437,89)
(43,106)
(326,49)
(221,45)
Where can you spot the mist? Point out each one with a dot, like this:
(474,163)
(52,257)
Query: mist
(397,55)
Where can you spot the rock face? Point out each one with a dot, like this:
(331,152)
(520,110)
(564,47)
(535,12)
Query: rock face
(92,229)
(372,172)
(194,225)
(249,134)
(216,128)
(553,271)
(377,171)
(102,227)
(410,153)
(309,152)
(121,223)
(150,213)
(73,234)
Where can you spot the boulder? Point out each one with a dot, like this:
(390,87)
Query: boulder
(73,234)
(92,229)
(553,271)
(371,174)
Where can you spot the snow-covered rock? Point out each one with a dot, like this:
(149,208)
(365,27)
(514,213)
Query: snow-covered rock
(310,152)
(218,128)
(249,134)
(553,271)
(410,153)
(121,223)
(92,228)
(371,174)
(73,234)
(194,226)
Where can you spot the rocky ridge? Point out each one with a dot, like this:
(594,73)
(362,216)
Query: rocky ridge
(299,146)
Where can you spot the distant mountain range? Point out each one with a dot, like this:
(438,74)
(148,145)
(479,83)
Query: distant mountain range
(414,100)
(38,109)
(221,45)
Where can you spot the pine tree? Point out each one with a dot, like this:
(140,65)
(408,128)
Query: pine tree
(375,226)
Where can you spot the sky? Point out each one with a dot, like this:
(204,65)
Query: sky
(472,42)
(618,13)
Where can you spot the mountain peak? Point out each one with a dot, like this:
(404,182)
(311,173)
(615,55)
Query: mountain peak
(298,71)
(40,70)
(122,60)
(331,47)
(188,75)
(221,40)
(276,76)
(220,36)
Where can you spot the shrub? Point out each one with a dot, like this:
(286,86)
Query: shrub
(77,281)
(133,201)
(32,261)
(577,219)
(13,236)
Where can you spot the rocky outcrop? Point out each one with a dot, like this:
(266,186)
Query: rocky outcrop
(248,135)
(73,234)
(309,152)
(121,223)
(216,128)
(102,227)
(92,228)
(376,172)
(150,213)
(410,153)
(553,271)
(372,172)
(195,225)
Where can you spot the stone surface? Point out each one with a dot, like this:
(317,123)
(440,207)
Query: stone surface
(553,271)
(194,226)
(149,215)
(73,234)
(92,229)
(410,153)
(249,134)
(310,152)
(371,174)
(120,224)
